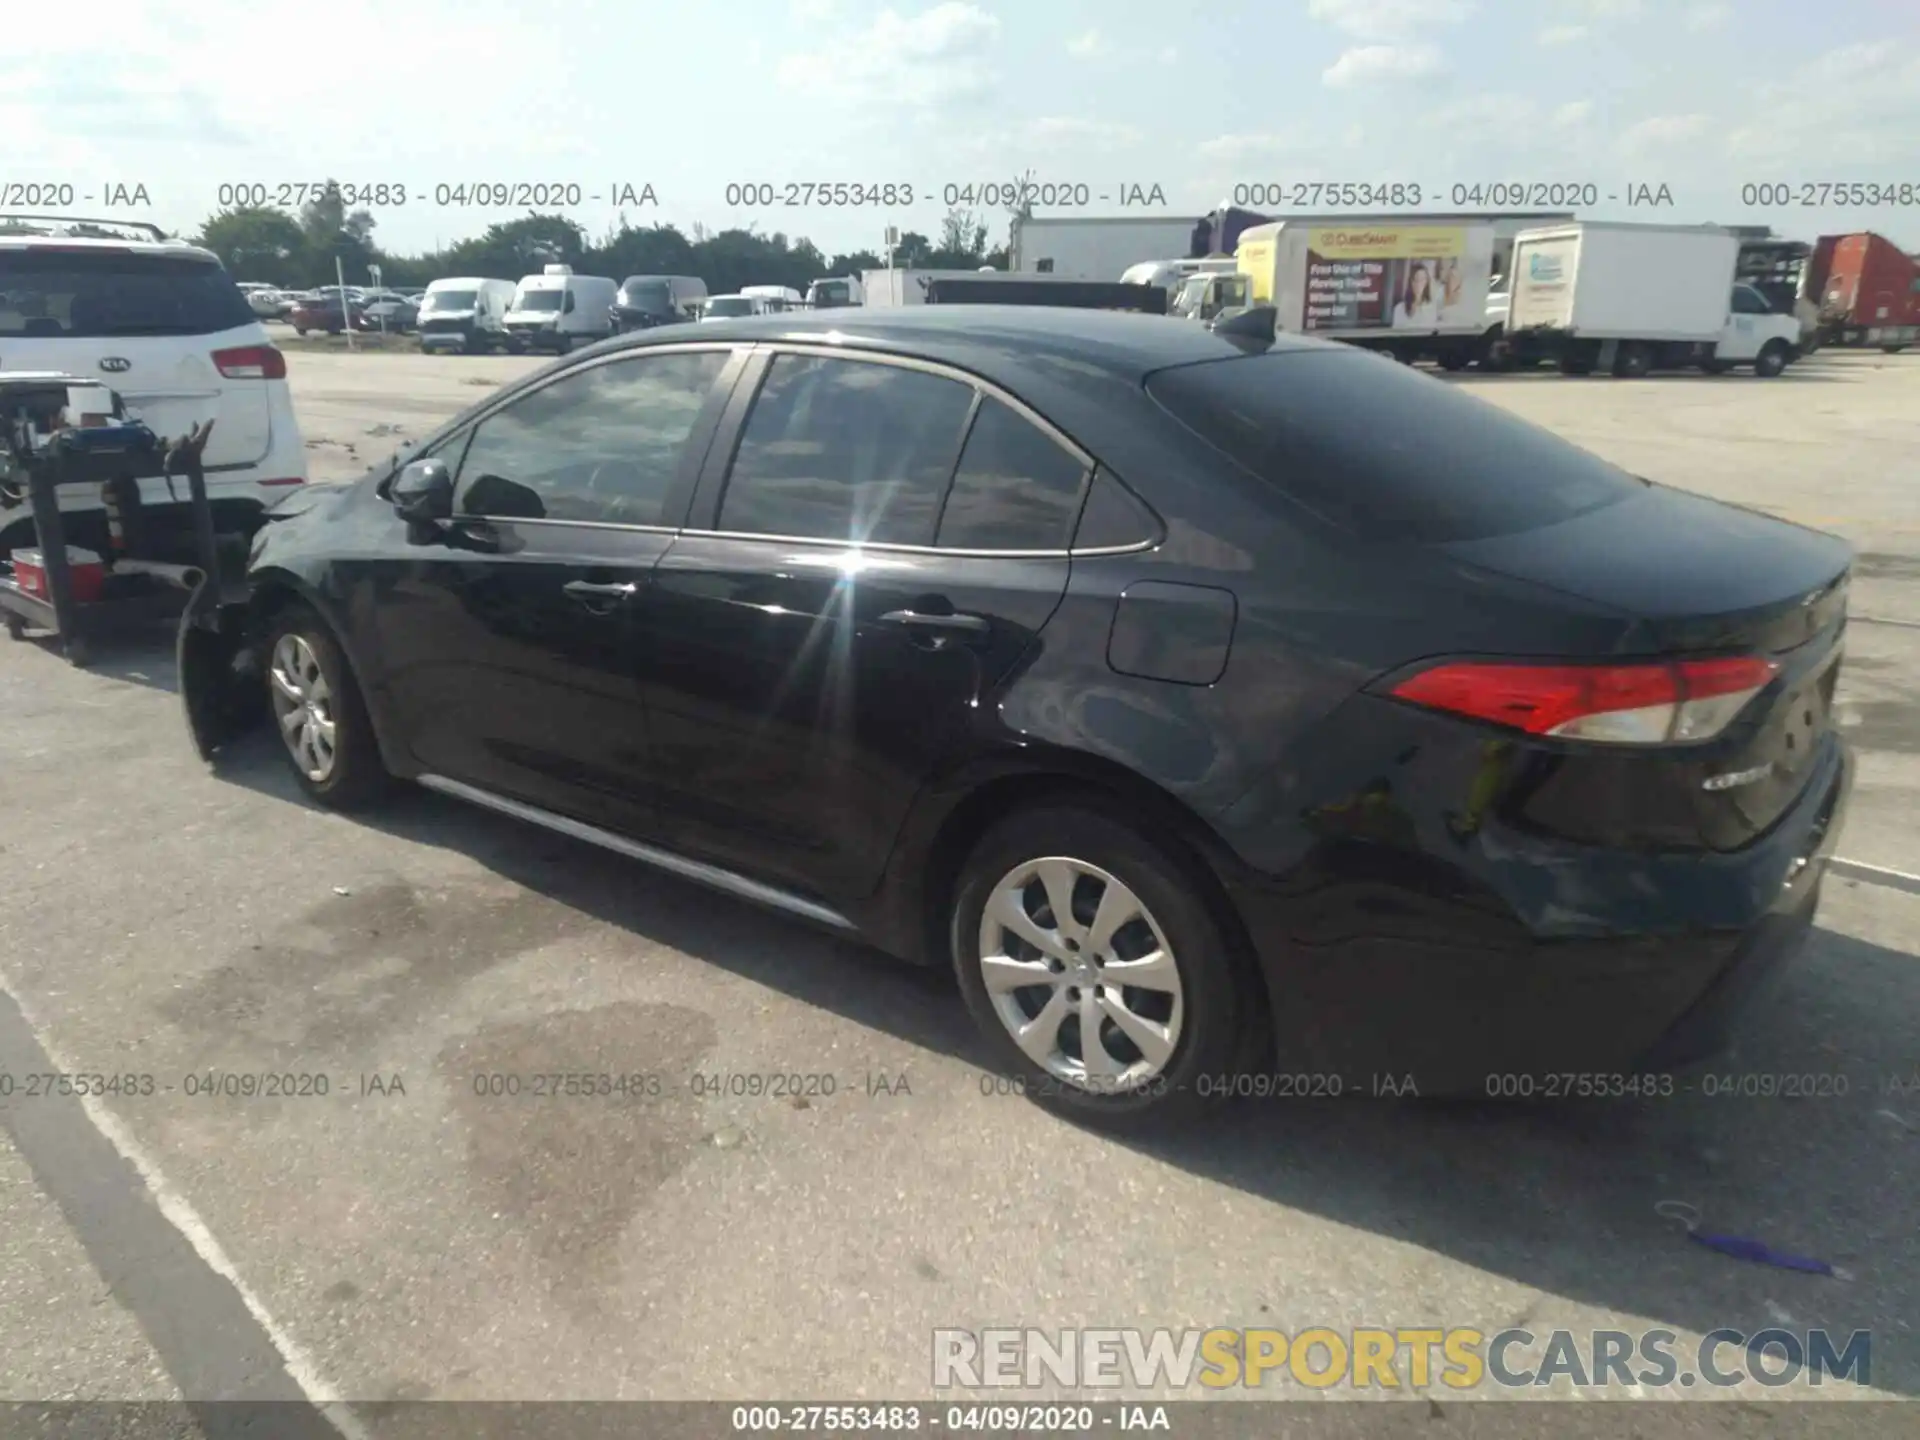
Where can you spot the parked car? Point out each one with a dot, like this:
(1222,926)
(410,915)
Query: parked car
(648,300)
(267,302)
(1144,674)
(164,325)
(387,310)
(331,309)
(735,307)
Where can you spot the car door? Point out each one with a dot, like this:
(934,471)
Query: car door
(825,635)
(1743,336)
(506,637)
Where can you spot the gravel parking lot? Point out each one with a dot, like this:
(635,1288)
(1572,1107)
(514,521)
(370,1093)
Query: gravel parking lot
(403,1236)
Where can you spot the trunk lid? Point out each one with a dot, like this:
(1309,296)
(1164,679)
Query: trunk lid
(1697,577)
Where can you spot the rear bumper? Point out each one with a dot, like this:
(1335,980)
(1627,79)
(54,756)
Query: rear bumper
(1401,972)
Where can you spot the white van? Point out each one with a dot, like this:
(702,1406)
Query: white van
(778,297)
(835,294)
(557,309)
(735,307)
(467,314)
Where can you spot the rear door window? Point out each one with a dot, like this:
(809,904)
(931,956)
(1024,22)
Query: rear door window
(54,294)
(1386,452)
(846,450)
(1017,487)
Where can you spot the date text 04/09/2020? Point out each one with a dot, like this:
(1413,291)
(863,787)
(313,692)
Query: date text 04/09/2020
(1012,1419)
(446,195)
(1467,195)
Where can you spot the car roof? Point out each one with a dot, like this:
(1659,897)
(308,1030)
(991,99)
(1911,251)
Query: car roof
(97,242)
(991,340)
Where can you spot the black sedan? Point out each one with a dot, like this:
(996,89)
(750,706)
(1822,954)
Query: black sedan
(1231,712)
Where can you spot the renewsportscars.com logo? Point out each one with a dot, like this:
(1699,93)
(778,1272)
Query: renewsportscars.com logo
(1381,1359)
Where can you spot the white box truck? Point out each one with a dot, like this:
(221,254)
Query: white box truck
(1630,298)
(909,287)
(1094,247)
(1415,288)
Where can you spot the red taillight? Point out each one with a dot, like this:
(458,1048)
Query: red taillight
(1650,703)
(251,362)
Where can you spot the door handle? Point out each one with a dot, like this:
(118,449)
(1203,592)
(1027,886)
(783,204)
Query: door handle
(920,620)
(591,590)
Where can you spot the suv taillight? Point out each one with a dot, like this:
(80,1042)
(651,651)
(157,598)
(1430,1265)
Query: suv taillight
(1651,703)
(251,362)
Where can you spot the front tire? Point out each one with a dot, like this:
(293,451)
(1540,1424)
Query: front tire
(319,714)
(1771,360)
(1632,362)
(1093,963)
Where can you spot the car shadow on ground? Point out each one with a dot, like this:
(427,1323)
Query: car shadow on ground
(1558,1198)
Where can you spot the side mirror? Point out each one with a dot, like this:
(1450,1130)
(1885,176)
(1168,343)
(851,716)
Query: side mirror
(423,491)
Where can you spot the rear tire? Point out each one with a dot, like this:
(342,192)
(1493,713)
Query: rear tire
(1771,360)
(1632,362)
(1195,1002)
(319,713)
(1575,365)
(1453,361)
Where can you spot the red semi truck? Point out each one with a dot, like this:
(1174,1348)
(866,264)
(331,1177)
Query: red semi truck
(1868,290)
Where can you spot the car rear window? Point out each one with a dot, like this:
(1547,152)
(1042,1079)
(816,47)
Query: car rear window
(66,294)
(1384,451)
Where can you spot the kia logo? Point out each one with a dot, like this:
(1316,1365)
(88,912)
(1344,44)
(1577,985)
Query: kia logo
(116,364)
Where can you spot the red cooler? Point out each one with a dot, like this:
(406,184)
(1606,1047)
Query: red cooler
(89,574)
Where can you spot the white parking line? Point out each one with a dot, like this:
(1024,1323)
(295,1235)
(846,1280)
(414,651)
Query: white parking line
(1875,874)
(300,1367)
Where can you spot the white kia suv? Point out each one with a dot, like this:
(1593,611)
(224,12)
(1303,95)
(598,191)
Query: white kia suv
(163,324)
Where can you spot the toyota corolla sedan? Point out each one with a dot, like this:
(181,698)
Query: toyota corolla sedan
(1219,705)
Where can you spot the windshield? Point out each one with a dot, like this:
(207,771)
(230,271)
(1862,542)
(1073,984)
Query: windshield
(1384,451)
(830,292)
(1190,296)
(646,295)
(730,305)
(542,301)
(50,294)
(450,300)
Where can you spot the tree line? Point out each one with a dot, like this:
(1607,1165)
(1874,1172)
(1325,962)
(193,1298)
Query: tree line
(298,250)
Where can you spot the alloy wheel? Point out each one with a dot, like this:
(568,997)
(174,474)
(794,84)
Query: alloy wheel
(1081,974)
(303,704)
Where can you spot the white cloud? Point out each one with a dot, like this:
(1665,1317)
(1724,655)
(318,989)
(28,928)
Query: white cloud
(1609,9)
(1241,149)
(1366,64)
(921,61)
(1861,101)
(1086,46)
(812,12)
(1710,16)
(1563,34)
(1572,113)
(1067,130)
(1660,130)
(1168,56)
(1388,20)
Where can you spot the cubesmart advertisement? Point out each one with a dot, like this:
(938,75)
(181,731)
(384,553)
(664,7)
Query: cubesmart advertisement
(1399,277)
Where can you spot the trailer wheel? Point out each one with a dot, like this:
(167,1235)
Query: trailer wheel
(1575,365)
(1453,360)
(1893,349)
(1771,360)
(1632,362)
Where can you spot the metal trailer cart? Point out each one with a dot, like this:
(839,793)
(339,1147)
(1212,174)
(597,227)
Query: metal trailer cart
(44,449)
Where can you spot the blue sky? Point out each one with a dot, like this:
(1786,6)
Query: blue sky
(1702,97)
